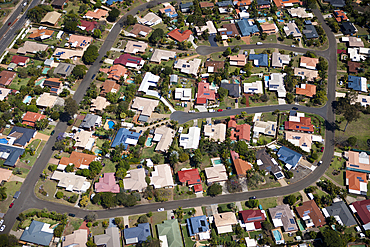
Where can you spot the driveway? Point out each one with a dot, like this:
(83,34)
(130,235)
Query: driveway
(212,40)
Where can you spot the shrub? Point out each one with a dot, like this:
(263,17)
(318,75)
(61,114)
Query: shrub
(59,195)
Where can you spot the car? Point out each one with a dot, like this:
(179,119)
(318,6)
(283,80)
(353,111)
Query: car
(211,110)
(160,209)
(72,215)
(295,108)
(236,100)
(219,110)
(52,133)
(320,162)
(92,78)
(9,23)
(259,43)
(11,205)
(252,197)
(292,45)
(322,149)
(2,228)
(1,222)
(16,194)
(228,108)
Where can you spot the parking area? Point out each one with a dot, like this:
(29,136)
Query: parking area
(299,173)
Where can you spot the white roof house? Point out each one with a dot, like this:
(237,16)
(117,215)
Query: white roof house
(276,83)
(144,105)
(302,140)
(149,80)
(161,177)
(216,132)
(159,55)
(134,47)
(266,128)
(292,29)
(279,60)
(300,13)
(358,54)
(164,136)
(135,180)
(4,93)
(253,87)
(70,181)
(84,140)
(190,140)
(216,174)
(364,100)
(149,19)
(209,26)
(188,67)
(183,94)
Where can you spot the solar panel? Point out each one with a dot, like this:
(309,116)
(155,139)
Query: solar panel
(292,221)
(368,207)
(255,218)
(354,165)
(306,128)
(290,228)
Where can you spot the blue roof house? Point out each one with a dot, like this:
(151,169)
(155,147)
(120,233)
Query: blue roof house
(259,59)
(38,233)
(198,225)
(247,27)
(10,154)
(110,2)
(137,234)
(289,157)
(20,136)
(126,137)
(224,3)
(357,83)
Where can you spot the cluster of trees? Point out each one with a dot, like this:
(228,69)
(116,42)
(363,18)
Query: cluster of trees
(113,15)
(95,168)
(91,54)
(332,190)
(38,12)
(110,200)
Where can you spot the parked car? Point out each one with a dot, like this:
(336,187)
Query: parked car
(228,108)
(292,45)
(2,228)
(322,149)
(1,222)
(219,110)
(160,209)
(16,194)
(320,162)
(252,197)
(236,100)
(72,215)
(92,78)
(11,205)
(259,43)
(295,108)
(211,110)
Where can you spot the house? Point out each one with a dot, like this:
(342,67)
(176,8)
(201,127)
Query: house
(225,3)
(276,83)
(361,208)
(129,61)
(259,59)
(302,140)
(149,19)
(4,92)
(247,28)
(99,104)
(38,233)
(353,67)
(357,83)
(6,77)
(228,30)
(356,182)
(79,42)
(189,67)
(262,4)
(216,174)
(140,30)
(206,4)
(348,28)
(253,87)
(179,36)
(299,12)
(186,7)
(55,85)
(237,60)
(336,3)
(109,86)
(308,62)
(91,121)
(77,239)
(340,15)
(64,69)
(216,132)
(353,41)
(269,28)
(198,226)
(183,94)
(292,29)
(96,14)
(64,54)
(224,222)
(161,177)
(111,238)
(299,123)
(242,3)
(204,93)
(174,79)
(241,166)
(30,118)
(358,54)
(252,219)
(84,140)
(5,175)
(87,25)
(135,180)
(32,47)
(51,18)
(307,74)
(116,72)
(190,140)
(289,157)
(364,100)
(232,88)
(19,136)
(79,160)
(107,183)
(59,4)
(286,3)
(164,136)
(145,107)
(308,90)
(268,164)
(159,55)
(168,10)
(209,27)
(137,235)
(41,34)
(10,154)
(341,213)
(126,137)
(191,178)
(310,32)
(311,214)
(239,132)
(169,233)
(214,66)
(279,60)
(20,60)
(283,216)
(134,47)
(47,100)
(71,182)
(267,128)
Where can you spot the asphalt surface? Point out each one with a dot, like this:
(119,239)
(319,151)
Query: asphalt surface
(29,200)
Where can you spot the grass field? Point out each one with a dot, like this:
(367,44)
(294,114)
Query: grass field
(35,145)
(157,218)
(336,165)
(11,188)
(268,202)
(186,237)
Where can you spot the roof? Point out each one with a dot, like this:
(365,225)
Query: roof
(209,26)
(38,233)
(336,3)
(362,210)
(64,54)
(111,238)
(179,36)
(186,5)
(299,12)
(299,139)
(233,88)
(197,224)
(58,3)
(216,174)
(183,94)
(142,30)
(107,183)
(52,83)
(4,93)
(353,67)
(309,74)
(229,29)
(242,3)
(269,28)
(247,27)
(288,156)
(225,219)
(134,47)
(84,139)
(283,3)
(135,181)
(188,66)
(41,34)
(364,100)
(206,4)
(77,239)
(241,166)
(150,19)
(241,132)
(159,55)
(144,105)
(190,140)
(170,234)
(19,59)
(80,160)
(6,77)
(308,90)
(90,121)
(21,135)
(10,154)
(214,66)
(263,2)
(99,104)
(125,137)
(168,10)
(276,83)
(267,162)
(189,176)
(164,136)
(78,41)
(109,86)
(266,128)
(310,210)
(71,181)
(46,100)
(30,118)
(137,234)
(310,32)
(5,174)
(303,125)
(116,71)
(32,47)
(278,60)
(355,42)
(64,69)
(204,93)
(253,87)
(51,17)
(283,216)
(356,182)
(340,15)
(259,59)
(341,212)
(224,3)
(348,28)
(292,29)
(88,25)
(358,161)
(237,60)
(96,14)
(357,83)
(161,176)
(216,132)
(251,215)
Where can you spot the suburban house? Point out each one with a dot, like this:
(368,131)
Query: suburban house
(240,132)
(228,30)
(310,31)
(242,3)
(364,100)
(266,128)
(145,107)
(137,235)
(164,136)
(4,92)
(84,140)
(186,7)
(135,180)
(311,214)
(307,74)
(336,3)
(149,19)
(126,137)
(190,140)
(96,14)
(47,100)
(149,81)
(232,88)
(64,54)
(140,30)
(292,29)
(51,18)
(224,222)
(6,77)
(356,182)
(168,10)
(214,66)
(340,15)
(268,164)
(341,213)
(134,47)
(299,139)
(299,12)
(206,4)
(79,42)
(241,166)
(179,36)
(59,4)
(38,233)
(77,239)
(71,182)
(247,28)
(91,121)
(361,208)
(303,124)
(348,28)
(64,69)
(129,61)
(41,34)
(10,154)
(55,85)
(88,25)
(116,72)
(263,4)
(252,219)
(109,86)
(269,28)
(161,177)
(259,59)
(216,174)
(210,27)
(191,178)
(285,3)
(308,90)
(237,60)
(190,67)
(183,94)
(283,216)
(216,132)
(5,175)
(30,118)
(353,67)
(198,226)
(357,83)
(308,62)
(20,136)
(20,60)
(279,60)
(79,160)
(31,47)
(289,157)
(107,183)
(99,104)
(353,41)
(204,93)
(111,238)
(169,233)
(253,87)
(276,83)
(159,55)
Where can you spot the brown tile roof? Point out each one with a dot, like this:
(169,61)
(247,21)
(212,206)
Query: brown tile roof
(206,4)
(179,36)
(40,32)
(31,118)
(108,86)
(355,179)
(241,166)
(140,28)
(241,132)
(217,65)
(309,90)
(353,67)
(116,71)
(77,159)
(280,3)
(310,208)
(6,77)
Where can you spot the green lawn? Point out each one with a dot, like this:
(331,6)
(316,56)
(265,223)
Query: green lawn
(157,218)
(224,208)
(11,188)
(268,116)
(50,187)
(269,39)
(187,240)
(110,166)
(254,234)
(268,202)
(97,230)
(336,165)
(28,221)
(148,153)
(35,145)
(182,193)
(18,83)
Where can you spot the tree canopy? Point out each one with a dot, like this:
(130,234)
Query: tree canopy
(113,14)
(156,35)
(90,55)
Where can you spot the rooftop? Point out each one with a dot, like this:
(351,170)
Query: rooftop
(107,183)
(161,176)
(179,36)
(311,214)
(80,160)
(289,157)
(134,47)
(216,174)
(126,137)
(38,233)
(283,216)
(308,90)
(137,234)
(30,118)
(190,140)
(341,213)
(216,132)
(135,181)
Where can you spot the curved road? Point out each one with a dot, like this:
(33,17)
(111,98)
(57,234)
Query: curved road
(28,198)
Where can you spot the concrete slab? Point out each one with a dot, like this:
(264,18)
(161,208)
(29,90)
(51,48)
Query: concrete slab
(16,178)
(198,211)
(283,182)
(126,221)
(239,206)
(304,196)
(337,154)
(201,108)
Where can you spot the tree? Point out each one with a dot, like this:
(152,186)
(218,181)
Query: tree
(3,194)
(156,35)
(52,168)
(97,34)
(79,71)
(156,158)
(91,217)
(121,173)
(70,168)
(58,231)
(214,190)
(113,14)
(55,115)
(38,12)
(351,114)
(8,240)
(42,124)
(227,52)
(70,26)
(97,4)
(332,238)
(183,157)
(90,55)
(59,195)
(291,199)
(84,201)
(70,106)
(252,203)
(117,221)
(197,157)
(222,92)
(352,141)
(130,20)
(142,219)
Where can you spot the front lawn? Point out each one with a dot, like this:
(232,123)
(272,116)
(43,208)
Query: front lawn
(34,145)
(268,202)
(339,174)
(186,237)
(11,188)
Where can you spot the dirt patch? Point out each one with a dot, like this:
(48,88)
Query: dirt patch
(246,39)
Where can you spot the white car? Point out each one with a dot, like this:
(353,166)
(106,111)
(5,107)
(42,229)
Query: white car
(160,209)
(259,43)
(2,228)
(211,110)
(1,222)
(292,45)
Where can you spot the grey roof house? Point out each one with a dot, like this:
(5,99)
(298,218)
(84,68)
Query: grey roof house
(20,136)
(224,3)
(109,239)
(64,69)
(38,233)
(137,234)
(185,7)
(91,121)
(336,3)
(341,213)
(310,32)
(234,89)
(10,154)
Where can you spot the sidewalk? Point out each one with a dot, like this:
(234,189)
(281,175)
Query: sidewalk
(334,182)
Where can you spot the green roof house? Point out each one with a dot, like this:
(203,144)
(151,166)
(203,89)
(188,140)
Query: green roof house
(169,233)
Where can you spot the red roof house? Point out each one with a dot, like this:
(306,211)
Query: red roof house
(179,36)
(241,132)
(6,77)
(362,210)
(232,122)
(252,219)
(31,118)
(19,60)
(204,93)
(191,177)
(128,60)
(340,16)
(88,25)
(304,125)
(107,183)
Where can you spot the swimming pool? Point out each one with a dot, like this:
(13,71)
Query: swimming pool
(110,124)
(267,78)
(3,141)
(261,21)
(27,99)
(148,142)
(237,81)
(217,162)
(278,13)
(277,235)
(130,81)
(98,151)
(45,71)
(300,225)
(280,20)
(40,81)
